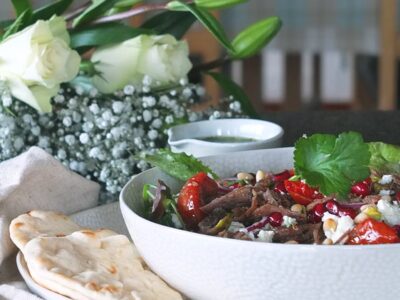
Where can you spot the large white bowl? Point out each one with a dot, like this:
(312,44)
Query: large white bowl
(206,267)
(184,138)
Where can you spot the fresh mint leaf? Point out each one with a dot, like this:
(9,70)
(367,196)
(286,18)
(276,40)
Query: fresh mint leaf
(178,165)
(332,163)
(385,158)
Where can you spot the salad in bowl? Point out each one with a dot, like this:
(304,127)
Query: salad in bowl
(341,190)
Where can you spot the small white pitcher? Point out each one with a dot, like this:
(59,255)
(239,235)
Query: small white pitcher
(187,137)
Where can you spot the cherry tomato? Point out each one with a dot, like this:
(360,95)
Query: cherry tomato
(301,192)
(372,231)
(192,196)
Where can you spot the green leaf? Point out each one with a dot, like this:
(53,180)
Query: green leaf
(255,37)
(127,3)
(385,158)
(332,163)
(20,6)
(46,12)
(173,22)
(178,165)
(207,19)
(104,34)
(232,88)
(18,23)
(96,9)
(217,4)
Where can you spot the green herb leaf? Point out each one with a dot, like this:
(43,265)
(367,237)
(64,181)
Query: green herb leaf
(232,88)
(173,22)
(206,18)
(46,12)
(217,4)
(104,34)
(18,23)
(178,165)
(332,163)
(255,37)
(385,158)
(127,3)
(20,6)
(96,9)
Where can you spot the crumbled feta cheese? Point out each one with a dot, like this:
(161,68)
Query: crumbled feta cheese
(265,236)
(344,225)
(288,221)
(390,212)
(385,192)
(386,179)
(235,227)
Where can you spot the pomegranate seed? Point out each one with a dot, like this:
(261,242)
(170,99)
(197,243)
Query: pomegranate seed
(361,189)
(315,215)
(280,188)
(281,176)
(398,196)
(332,207)
(275,219)
(347,211)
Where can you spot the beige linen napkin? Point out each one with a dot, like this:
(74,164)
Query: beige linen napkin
(35,180)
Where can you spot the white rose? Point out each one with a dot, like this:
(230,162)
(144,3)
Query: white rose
(161,57)
(36,60)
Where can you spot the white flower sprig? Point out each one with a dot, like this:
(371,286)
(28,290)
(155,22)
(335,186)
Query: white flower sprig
(99,135)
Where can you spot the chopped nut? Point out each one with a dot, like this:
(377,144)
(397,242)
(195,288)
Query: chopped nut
(298,208)
(327,242)
(260,175)
(330,225)
(244,176)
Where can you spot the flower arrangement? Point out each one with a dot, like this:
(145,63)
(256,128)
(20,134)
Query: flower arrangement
(95,92)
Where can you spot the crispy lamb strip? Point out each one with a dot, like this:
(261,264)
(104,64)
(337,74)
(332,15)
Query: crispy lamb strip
(275,198)
(264,184)
(237,198)
(303,234)
(267,209)
(207,224)
(234,235)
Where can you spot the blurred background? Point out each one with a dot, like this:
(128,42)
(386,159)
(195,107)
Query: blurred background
(329,55)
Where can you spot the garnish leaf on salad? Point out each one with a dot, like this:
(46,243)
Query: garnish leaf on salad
(178,165)
(385,158)
(332,163)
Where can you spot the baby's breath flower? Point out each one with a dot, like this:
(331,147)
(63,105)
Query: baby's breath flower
(100,136)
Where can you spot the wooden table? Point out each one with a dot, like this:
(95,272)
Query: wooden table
(373,125)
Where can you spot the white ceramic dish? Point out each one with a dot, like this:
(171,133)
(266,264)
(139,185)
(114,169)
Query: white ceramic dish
(206,267)
(32,285)
(182,138)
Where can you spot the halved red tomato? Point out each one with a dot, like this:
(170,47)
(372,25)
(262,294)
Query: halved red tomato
(301,192)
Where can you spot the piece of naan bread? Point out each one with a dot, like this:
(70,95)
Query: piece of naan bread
(93,265)
(38,223)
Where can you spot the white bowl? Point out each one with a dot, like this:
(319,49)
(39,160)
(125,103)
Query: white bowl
(182,138)
(207,267)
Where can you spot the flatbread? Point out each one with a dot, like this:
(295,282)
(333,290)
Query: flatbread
(38,223)
(91,264)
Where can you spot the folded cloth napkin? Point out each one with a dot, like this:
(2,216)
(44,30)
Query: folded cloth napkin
(35,180)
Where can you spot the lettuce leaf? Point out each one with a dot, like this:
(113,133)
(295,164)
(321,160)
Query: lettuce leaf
(385,158)
(332,163)
(178,165)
